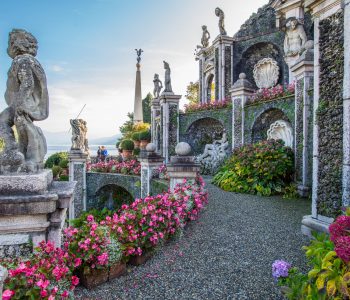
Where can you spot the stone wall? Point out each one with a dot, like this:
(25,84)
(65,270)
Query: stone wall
(299,99)
(217,74)
(259,116)
(227,71)
(329,116)
(200,128)
(96,181)
(173,119)
(159,186)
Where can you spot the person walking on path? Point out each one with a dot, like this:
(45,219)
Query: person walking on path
(104,153)
(99,153)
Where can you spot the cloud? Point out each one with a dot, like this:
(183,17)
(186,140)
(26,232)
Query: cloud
(56,68)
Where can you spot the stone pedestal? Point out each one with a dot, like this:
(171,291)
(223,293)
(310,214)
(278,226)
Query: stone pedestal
(32,208)
(182,166)
(77,172)
(303,73)
(169,104)
(149,163)
(241,90)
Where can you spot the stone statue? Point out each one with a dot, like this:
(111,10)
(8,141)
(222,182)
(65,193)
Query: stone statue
(157,86)
(214,154)
(79,131)
(138,53)
(167,81)
(219,13)
(295,37)
(28,100)
(205,37)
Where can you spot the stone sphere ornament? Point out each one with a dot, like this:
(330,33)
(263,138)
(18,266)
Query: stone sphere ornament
(183,149)
(151,147)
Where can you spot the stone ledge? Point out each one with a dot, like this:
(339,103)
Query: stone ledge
(19,184)
(310,224)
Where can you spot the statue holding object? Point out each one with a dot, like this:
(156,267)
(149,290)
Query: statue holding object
(28,101)
(79,132)
(167,80)
(205,37)
(219,13)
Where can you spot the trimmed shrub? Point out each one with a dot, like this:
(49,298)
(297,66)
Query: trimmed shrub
(264,168)
(135,136)
(145,135)
(56,171)
(55,159)
(64,164)
(127,145)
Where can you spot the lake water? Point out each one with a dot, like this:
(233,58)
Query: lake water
(112,150)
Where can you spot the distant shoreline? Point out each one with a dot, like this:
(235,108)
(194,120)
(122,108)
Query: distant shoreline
(51,149)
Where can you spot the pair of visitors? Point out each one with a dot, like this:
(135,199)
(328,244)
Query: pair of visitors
(102,153)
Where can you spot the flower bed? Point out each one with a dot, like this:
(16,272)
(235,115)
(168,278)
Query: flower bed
(218,104)
(129,167)
(97,247)
(266,94)
(161,172)
(329,258)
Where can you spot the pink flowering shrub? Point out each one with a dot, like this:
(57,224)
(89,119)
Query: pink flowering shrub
(89,245)
(46,275)
(130,167)
(219,104)
(277,91)
(161,172)
(340,236)
(147,222)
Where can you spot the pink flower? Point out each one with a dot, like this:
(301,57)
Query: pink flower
(103,259)
(43,293)
(43,283)
(90,218)
(7,294)
(75,280)
(77,262)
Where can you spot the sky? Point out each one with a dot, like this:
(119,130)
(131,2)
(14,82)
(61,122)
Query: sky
(87,49)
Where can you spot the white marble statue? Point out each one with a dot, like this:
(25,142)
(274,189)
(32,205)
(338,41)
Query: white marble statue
(167,80)
(79,132)
(281,130)
(157,86)
(219,13)
(214,154)
(295,38)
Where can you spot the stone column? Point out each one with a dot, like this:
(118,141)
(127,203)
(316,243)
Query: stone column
(241,90)
(77,172)
(169,104)
(346,106)
(303,73)
(138,112)
(149,163)
(182,166)
(155,112)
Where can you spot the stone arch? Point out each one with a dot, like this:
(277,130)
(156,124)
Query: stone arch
(255,52)
(96,182)
(203,131)
(263,122)
(208,83)
(112,196)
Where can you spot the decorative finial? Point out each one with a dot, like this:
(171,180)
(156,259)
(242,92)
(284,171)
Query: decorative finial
(138,53)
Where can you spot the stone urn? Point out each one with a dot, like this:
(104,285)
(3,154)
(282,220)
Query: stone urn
(140,259)
(143,144)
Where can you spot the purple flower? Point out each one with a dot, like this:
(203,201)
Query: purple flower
(280,268)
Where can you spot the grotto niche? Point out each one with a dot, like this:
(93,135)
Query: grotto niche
(112,196)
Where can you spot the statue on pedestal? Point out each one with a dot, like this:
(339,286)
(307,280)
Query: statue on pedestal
(138,53)
(157,86)
(28,101)
(205,37)
(295,37)
(79,131)
(219,13)
(167,80)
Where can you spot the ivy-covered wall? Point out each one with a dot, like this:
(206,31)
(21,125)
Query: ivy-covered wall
(201,127)
(329,115)
(259,116)
(299,129)
(159,186)
(173,128)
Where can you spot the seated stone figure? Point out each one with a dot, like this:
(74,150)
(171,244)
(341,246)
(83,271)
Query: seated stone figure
(213,155)
(27,99)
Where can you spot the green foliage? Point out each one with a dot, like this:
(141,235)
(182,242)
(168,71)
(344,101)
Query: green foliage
(290,191)
(127,145)
(55,159)
(56,171)
(145,135)
(136,152)
(2,144)
(64,178)
(64,163)
(99,215)
(146,107)
(329,277)
(135,136)
(264,168)
(192,92)
(127,128)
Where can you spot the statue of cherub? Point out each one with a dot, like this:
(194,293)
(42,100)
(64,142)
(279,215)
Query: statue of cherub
(157,86)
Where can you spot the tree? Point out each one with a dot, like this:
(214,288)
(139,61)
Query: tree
(146,107)
(192,92)
(127,126)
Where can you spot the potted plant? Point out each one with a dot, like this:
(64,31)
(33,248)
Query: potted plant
(145,138)
(127,147)
(93,250)
(136,138)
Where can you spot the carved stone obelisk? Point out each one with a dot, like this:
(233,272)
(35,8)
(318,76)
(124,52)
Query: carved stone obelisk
(138,113)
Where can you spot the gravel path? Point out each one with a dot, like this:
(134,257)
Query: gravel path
(226,254)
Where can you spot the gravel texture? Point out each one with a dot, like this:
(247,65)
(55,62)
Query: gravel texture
(226,254)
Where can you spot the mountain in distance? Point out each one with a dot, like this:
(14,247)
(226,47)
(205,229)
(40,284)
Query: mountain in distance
(64,138)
